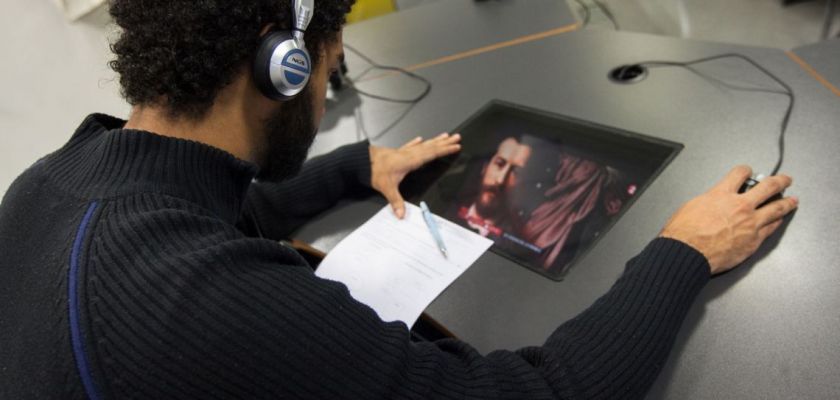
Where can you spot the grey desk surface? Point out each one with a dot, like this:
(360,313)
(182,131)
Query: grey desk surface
(766,330)
(422,34)
(823,57)
(449,27)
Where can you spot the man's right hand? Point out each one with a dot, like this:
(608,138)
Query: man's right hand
(728,227)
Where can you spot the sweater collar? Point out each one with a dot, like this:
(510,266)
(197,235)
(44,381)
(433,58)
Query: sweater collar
(103,160)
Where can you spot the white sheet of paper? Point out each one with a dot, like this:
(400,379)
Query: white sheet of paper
(395,267)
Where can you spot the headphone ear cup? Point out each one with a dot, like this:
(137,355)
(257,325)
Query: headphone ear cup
(262,64)
(281,68)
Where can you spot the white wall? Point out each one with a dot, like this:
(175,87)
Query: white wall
(53,73)
(404,4)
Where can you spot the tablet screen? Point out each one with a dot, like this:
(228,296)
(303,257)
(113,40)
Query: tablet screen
(545,188)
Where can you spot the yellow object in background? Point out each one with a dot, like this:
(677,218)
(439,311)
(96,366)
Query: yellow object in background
(364,9)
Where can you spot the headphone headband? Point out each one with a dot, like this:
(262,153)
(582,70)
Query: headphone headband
(301,15)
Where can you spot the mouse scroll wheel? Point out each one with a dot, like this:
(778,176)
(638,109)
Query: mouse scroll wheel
(748,184)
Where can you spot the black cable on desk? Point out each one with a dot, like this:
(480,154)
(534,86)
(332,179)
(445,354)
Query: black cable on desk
(357,114)
(587,13)
(787,92)
(829,18)
(373,66)
(607,12)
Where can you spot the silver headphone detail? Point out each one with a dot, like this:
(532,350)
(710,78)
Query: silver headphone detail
(282,66)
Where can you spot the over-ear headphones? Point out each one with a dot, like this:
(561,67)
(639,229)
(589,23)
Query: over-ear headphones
(282,66)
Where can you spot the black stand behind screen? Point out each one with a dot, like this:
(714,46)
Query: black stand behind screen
(544,187)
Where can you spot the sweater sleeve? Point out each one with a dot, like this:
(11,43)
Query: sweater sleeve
(209,315)
(616,348)
(276,209)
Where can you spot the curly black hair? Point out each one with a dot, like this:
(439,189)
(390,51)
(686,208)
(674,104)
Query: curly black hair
(180,53)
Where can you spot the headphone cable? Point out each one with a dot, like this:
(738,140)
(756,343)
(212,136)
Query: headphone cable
(587,13)
(411,102)
(607,12)
(374,65)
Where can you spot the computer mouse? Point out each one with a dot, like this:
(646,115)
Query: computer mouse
(754,180)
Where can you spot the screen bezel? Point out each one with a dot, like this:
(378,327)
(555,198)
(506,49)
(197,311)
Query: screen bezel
(585,134)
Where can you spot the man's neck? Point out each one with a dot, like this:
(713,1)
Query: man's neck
(223,133)
(226,125)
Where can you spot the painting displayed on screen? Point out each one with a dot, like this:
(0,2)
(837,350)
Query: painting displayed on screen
(542,193)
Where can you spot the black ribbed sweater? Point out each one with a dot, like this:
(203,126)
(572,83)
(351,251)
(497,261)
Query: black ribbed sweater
(128,272)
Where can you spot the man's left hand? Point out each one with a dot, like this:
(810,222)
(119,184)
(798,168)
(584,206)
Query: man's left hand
(389,166)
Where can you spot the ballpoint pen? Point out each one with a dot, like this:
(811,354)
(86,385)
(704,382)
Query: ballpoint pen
(430,222)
